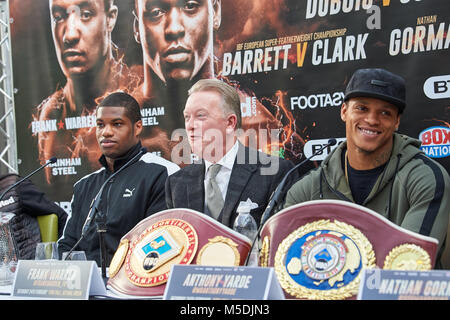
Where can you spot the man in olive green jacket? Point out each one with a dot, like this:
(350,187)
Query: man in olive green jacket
(378,168)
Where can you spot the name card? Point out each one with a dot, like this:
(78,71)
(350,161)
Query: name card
(377,284)
(188,282)
(53,279)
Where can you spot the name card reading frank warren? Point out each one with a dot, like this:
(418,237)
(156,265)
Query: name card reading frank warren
(53,279)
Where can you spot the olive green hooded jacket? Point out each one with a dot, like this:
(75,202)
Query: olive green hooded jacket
(413,191)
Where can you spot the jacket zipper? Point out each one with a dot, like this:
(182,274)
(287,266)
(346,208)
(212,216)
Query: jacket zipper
(107,196)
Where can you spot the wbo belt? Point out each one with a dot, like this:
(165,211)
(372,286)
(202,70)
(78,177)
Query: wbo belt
(319,248)
(142,262)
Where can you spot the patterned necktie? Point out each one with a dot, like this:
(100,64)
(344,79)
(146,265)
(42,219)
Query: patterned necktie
(214,199)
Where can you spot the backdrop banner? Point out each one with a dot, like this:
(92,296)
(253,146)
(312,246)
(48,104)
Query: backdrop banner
(290,61)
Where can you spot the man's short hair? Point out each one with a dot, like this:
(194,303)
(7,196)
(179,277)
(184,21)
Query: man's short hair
(122,99)
(231,104)
(136,5)
(108,4)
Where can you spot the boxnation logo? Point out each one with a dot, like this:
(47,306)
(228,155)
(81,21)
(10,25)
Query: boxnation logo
(435,142)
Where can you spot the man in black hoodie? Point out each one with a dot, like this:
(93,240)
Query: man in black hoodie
(27,202)
(132,195)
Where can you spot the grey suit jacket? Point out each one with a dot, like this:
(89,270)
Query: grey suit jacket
(255,175)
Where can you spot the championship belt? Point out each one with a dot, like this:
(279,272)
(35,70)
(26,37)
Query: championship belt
(142,262)
(319,248)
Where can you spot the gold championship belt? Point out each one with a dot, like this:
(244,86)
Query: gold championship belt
(142,262)
(319,248)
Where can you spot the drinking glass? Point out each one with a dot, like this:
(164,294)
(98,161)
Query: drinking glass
(46,251)
(74,255)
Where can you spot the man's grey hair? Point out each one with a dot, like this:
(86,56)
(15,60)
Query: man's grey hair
(231,104)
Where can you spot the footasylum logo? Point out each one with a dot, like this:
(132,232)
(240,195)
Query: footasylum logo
(435,142)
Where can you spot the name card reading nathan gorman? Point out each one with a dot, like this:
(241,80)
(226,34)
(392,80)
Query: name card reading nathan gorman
(377,284)
(53,279)
(200,282)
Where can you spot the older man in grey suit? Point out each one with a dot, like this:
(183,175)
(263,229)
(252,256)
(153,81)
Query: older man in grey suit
(227,172)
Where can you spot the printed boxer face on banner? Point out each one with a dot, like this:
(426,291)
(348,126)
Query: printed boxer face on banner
(176,35)
(207,126)
(370,124)
(81,33)
(116,134)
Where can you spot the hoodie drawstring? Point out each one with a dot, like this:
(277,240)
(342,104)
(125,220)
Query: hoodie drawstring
(392,186)
(320,184)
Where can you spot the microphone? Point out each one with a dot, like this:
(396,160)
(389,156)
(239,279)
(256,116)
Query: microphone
(277,193)
(96,201)
(49,161)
